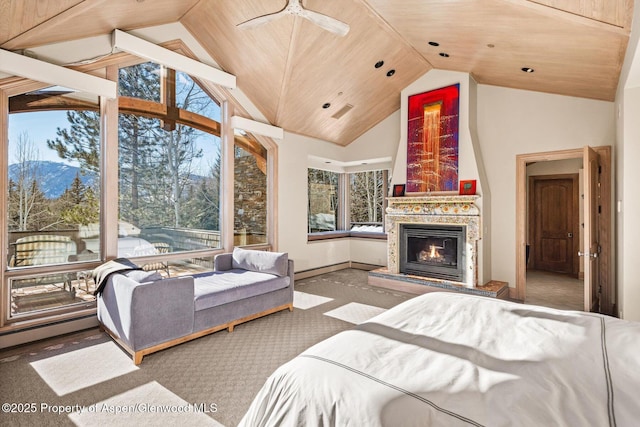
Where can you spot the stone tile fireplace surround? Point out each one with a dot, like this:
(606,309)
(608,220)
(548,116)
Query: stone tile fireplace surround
(435,210)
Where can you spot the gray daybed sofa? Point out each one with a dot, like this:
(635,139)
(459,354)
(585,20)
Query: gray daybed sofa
(145,313)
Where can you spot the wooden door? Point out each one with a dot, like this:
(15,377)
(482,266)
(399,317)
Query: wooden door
(554,223)
(591,249)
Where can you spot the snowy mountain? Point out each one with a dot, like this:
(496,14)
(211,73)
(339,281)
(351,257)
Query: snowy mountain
(54,177)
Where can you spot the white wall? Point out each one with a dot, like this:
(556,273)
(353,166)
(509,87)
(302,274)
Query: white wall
(512,122)
(627,159)
(629,232)
(295,154)
(378,142)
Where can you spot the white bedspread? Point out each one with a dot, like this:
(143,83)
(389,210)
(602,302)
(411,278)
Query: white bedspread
(446,359)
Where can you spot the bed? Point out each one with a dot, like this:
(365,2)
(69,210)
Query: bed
(446,359)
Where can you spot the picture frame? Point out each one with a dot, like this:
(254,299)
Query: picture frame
(468,187)
(398,190)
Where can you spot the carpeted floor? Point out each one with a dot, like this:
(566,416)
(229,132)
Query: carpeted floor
(208,381)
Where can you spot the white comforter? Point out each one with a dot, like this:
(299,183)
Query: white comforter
(446,359)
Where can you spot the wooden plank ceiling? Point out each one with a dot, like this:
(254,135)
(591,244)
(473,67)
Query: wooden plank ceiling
(290,67)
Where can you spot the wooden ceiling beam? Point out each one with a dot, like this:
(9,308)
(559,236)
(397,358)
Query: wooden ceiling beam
(47,102)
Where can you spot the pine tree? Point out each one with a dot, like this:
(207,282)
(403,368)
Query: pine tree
(78,204)
(205,203)
(81,142)
(155,165)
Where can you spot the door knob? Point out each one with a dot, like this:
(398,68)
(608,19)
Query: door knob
(594,255)
(569,235)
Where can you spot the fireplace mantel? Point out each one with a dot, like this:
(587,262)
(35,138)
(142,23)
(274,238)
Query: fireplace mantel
(441,209)
(433,205)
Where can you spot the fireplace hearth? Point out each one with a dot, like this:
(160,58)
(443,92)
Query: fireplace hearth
(432,251)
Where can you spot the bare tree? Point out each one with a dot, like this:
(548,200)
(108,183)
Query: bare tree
(25,194)
(367,196)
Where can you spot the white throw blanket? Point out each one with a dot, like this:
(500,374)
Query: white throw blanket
(446,359)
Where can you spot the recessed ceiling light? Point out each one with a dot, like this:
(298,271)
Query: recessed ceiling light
(328,162)
(391,72)
(491,45)
(444,55)
(527,69)
(379,64)
(434,43)
(326,105)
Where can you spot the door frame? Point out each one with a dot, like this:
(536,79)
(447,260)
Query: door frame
(605,226)
(575,196)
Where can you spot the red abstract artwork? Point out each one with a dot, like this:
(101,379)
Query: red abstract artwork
(432,140)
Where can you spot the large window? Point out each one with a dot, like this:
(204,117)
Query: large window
(169,180)
(166,187)
(347,202)
(367,200)
(53,195)
(323,200)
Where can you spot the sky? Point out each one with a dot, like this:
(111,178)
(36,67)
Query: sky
(40,127)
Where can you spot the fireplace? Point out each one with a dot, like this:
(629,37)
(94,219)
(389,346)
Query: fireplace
(433,250)
(454,217)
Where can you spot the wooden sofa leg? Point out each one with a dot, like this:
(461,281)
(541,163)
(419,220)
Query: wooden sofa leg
(230,328)
(137,357)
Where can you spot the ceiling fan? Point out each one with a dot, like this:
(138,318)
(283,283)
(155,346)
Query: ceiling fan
(294,7)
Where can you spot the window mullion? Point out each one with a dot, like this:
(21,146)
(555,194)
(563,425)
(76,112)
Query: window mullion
(108,174)
(226,186)
(343,201)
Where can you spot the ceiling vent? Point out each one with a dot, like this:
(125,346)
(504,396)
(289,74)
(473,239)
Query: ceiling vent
(341,112)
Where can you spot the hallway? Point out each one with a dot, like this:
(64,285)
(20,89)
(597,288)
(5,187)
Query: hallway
(554,290)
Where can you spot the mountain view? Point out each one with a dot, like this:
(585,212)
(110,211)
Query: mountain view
(54,177)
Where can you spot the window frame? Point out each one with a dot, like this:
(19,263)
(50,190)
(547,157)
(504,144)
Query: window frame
(344,209)
(162,110)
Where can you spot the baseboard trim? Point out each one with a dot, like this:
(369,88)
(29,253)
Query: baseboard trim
(364,266)
(41,332)
(312,272)
(320,270)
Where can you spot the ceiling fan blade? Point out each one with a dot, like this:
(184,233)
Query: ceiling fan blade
(326,22)
(260,20)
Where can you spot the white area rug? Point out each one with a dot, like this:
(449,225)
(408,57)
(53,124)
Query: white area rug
(305,301)
(67,372)
(148,405)
(355,312)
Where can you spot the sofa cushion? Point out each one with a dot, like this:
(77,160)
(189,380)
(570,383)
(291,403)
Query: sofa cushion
(142,276)
(260,261)
(216,288)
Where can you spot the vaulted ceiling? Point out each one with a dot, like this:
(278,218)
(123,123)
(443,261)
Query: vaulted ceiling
(290,68)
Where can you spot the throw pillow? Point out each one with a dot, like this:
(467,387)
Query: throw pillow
(142,276)
(261,261)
